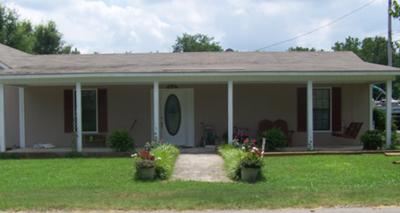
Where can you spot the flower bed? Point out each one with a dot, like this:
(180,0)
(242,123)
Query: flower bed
(159,156)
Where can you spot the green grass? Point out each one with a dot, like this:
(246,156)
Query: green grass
(299,181)
(231,158)
(167,155)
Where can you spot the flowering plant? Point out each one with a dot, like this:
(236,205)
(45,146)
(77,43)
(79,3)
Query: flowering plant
(246,145)
(145,159)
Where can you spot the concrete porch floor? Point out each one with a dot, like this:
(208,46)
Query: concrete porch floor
(60,150)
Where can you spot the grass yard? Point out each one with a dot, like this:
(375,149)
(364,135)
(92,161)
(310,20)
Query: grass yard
(301,181)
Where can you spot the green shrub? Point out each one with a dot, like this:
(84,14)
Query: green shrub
(166,155)
(379,116)
(274,139)
(232,158)
(373,139)
(121,141)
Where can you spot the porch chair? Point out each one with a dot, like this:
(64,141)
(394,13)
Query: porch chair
(350,132)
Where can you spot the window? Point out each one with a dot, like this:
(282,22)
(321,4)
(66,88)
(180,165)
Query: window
(89,110)
(322,109)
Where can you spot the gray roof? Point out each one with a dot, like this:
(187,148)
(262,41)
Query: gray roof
(20,63)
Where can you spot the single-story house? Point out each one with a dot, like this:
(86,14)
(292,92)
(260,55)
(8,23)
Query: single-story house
(61,99)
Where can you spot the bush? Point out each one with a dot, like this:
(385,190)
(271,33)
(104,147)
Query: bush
(120,141)
(274,139)
(373,139)
(166,155)
(379,116)
(232,158)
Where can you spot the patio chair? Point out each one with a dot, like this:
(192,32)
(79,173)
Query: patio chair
(350,132)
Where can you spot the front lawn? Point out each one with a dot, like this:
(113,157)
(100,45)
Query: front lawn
(301,181)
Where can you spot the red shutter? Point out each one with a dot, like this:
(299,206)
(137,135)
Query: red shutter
(102,107)
(68,111)
(336,109)
(301,109)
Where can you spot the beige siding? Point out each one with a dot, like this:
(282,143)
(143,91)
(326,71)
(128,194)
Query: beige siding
(252,103)
(11,116)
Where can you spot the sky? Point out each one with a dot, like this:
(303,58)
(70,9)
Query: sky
(117,26)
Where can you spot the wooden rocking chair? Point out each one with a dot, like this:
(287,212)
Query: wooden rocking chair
(350,132)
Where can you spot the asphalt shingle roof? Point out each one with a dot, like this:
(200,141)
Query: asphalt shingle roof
(21,63)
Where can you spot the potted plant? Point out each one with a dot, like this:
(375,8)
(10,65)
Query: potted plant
(145,165)
(250,165)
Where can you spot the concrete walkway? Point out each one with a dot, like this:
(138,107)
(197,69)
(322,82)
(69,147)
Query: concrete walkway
(200,167)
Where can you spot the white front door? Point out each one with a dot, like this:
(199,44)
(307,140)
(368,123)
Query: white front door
(177,116)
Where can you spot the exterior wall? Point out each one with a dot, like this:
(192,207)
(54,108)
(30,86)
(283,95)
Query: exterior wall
(45,113)
(11,116)
(252,103)
(44,117)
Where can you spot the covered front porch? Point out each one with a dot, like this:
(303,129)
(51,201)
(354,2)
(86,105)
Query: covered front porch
(79,114)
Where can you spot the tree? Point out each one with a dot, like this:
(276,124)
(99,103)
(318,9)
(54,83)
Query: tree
(48,39)
(196,43)
(22,35)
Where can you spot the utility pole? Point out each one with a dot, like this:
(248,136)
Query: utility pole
(389,40)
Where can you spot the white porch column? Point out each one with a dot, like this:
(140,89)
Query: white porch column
(156,111)
(310,116)
(371,107)
(230,111)
(21,107)
(78,101)
(388,113)
(2,123)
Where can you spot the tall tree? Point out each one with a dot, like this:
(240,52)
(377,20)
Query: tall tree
(22,35)
(48,39)
(196,43)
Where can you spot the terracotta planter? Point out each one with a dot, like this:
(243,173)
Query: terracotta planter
(250,175)
(146,173)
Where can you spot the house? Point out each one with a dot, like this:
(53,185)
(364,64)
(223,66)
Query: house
(169,95)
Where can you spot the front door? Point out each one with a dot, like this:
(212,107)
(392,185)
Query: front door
(177,116)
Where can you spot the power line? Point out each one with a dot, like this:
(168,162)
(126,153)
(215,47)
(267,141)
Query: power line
(320,27)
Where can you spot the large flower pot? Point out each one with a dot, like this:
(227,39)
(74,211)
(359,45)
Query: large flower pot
(146,173)
(249,175)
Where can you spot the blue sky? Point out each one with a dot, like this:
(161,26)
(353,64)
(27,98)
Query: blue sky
(111,26)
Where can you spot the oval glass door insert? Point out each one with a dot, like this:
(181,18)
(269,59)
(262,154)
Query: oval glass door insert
(172,114)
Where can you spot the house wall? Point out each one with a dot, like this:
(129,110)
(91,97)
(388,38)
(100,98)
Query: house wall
(11,116)
(252,103)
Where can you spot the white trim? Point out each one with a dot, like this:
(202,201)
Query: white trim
(2,120)
(230,111)
(388,114)
(78,99)
(371,107)
(21,107)
(310,116)
(156,111)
